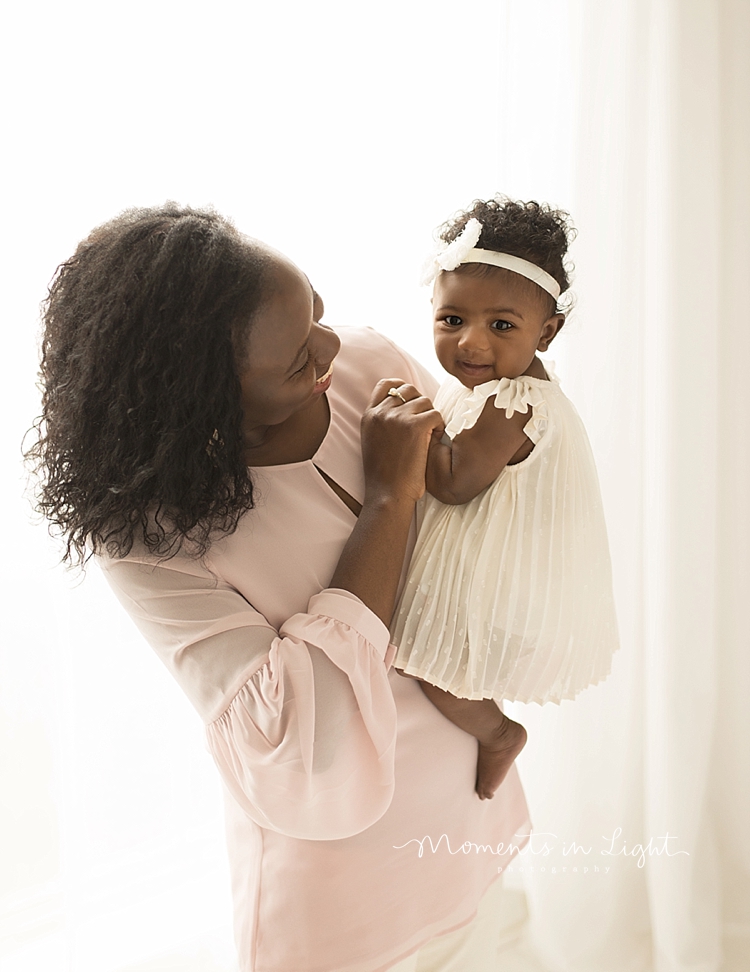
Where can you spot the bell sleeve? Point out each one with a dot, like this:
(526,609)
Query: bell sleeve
(301,722)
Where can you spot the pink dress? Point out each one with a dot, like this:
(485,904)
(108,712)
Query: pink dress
(341,778)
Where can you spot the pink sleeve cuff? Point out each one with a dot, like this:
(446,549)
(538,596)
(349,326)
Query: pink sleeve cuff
(286,768)
(346,608)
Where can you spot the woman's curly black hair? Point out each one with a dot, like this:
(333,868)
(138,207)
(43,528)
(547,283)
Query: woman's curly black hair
(530,230)
(140,431)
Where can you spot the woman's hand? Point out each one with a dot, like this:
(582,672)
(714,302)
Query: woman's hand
(396,432)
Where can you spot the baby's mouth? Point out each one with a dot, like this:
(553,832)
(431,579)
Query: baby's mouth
(472,367)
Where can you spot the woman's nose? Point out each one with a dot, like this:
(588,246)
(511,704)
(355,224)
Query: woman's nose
(327,343)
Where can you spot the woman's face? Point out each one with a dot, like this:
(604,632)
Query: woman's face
(288,354)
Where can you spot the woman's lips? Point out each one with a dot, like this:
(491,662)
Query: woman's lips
(323,383)
(326,376)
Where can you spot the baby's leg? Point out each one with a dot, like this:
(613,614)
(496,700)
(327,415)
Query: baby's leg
(500,738)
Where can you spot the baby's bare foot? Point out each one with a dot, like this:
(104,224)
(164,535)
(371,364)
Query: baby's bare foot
(496,757)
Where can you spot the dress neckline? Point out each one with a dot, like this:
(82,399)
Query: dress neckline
(322,465)
(490,386)
(306,462)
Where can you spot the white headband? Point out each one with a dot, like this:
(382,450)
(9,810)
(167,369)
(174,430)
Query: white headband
(448,256)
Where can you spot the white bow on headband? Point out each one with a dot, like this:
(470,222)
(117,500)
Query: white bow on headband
(448,256)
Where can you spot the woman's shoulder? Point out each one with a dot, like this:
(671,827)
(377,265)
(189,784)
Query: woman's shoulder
(366,339)
(185,557)
(366,356)
(369,346)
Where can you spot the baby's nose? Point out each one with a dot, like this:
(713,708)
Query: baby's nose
(473,338)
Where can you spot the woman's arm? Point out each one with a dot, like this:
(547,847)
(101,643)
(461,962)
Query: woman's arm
(301,722)
(458,471)
(395,441)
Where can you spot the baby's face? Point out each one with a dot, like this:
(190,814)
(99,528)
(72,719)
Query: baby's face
(489,323)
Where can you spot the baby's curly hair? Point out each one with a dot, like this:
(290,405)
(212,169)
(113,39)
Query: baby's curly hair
(530,230)
(140,432)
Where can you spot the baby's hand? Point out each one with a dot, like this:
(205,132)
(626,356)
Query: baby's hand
(438,433)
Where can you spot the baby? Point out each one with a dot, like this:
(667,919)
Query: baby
(509,592)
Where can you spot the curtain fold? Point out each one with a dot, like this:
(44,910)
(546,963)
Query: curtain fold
(659,754)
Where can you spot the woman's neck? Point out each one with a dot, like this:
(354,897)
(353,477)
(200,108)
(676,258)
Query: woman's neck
(295,440)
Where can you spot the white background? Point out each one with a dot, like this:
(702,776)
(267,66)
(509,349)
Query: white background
(343,134)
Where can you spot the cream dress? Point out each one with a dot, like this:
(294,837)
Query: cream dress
(509,596)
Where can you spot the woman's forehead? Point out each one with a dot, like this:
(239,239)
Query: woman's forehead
(282,323)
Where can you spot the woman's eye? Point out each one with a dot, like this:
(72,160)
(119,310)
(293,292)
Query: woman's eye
(305,366)
(502,325)
(452,320)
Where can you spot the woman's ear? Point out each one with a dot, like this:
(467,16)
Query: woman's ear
(549,329)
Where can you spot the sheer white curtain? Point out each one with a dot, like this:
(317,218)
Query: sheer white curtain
(343,134)
(656,362)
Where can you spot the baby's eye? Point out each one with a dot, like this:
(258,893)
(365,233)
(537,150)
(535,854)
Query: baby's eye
(452,320)
(502,325)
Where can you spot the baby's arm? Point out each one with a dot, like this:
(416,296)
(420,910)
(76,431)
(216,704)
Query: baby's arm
(460,470)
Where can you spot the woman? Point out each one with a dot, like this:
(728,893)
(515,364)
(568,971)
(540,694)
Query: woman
(201,436)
